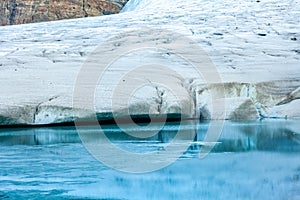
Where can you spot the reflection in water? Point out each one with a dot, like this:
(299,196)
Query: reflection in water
(281,135)
(52,163)
(38,136)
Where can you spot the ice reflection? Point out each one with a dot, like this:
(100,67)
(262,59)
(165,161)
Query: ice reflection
(277,135)
(38,136)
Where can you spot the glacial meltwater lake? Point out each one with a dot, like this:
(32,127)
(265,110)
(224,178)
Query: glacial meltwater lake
(251,160)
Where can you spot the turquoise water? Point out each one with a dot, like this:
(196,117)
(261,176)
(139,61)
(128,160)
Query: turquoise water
(253,160)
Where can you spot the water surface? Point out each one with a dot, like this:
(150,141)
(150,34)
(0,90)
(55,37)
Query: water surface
(253,160)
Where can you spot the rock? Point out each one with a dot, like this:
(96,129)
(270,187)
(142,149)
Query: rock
(262,34)
(29,11)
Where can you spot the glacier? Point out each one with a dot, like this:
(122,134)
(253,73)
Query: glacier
(253,45)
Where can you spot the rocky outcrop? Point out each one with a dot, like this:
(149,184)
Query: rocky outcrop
(40,64)
(29,11)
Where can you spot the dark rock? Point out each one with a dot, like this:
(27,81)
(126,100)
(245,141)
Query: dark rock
(29,11)
(262,34)
(218,33)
